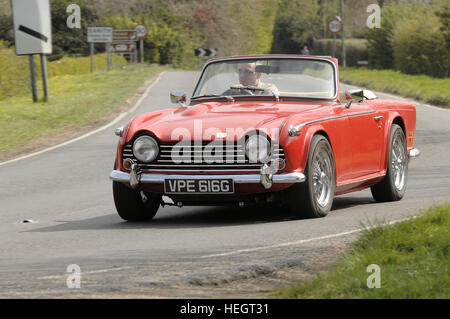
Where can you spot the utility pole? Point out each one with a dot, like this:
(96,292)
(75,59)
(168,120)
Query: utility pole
(341,5)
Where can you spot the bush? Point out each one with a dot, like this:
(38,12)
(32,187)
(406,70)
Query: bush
(296,23)
(167,40)
(356,49)
(423,53)
(412,39)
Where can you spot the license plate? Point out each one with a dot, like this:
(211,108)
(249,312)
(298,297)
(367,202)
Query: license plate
(198,186)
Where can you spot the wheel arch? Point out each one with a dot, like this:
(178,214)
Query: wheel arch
(395,119)
(313,131)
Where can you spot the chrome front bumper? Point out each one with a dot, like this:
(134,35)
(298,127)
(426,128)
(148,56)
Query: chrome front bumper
(265,179)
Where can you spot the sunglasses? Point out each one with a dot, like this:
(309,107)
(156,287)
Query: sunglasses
(246,72)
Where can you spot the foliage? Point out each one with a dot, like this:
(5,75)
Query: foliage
(356,49)
(412,255)
(72,41)
(413,38)
(419,46)
(297,23)
(167,41)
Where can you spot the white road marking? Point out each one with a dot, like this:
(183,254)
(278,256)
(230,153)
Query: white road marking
(117,119)
(85,273)
(301,241)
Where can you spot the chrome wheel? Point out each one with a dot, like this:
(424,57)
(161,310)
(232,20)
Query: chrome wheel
(322,178)
(398,162)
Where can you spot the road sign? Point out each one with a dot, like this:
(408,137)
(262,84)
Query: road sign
(141,31)
(123,47)
(209,52)
(100,34)
(335,26)
(32,26)
(124,35)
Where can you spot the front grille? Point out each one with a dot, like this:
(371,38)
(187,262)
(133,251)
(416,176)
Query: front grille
(201,156)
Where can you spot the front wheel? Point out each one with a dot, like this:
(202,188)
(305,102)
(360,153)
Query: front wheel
(314,197)
(393,186)
(135,205)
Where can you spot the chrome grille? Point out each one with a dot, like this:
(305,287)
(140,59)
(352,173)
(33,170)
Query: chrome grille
(201,156)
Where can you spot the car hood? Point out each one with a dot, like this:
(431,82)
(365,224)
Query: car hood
(203,121)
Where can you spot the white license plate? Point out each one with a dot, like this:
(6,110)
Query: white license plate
(198,186)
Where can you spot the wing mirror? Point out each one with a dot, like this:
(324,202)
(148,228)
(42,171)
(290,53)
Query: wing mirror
(178,97)
(359,95)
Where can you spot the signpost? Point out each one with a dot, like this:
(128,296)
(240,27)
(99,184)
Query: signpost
(335,26)
(141,31)
(126,36)
(208,52)
(99,35)
(123,47)
(33,35)
(204,52)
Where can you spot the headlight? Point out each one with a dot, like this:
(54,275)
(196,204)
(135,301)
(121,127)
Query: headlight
(145,149)
(257,149)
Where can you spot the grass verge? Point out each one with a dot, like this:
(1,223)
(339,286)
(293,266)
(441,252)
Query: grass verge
(76,101)
(419,87)
(413,257)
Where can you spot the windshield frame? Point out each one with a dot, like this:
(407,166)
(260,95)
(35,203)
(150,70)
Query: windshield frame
(268,57)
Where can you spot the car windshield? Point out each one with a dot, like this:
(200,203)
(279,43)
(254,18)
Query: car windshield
(293,77)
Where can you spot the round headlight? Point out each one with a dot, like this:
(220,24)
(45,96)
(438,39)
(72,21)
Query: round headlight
(257,149)
(145,149)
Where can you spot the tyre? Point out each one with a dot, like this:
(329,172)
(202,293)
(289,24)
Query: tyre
(314,197)
(393,186)
(135,205)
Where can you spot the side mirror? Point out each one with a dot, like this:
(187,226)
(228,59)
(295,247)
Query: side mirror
(178,97)
(358,94)
(353,94)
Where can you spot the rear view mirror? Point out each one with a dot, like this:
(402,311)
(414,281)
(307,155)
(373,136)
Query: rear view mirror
(267,69)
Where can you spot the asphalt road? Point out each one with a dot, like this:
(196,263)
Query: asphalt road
(67,195)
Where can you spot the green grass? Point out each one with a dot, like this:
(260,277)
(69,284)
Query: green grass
(420,87)
(75,101)
(15,70)
(413,257)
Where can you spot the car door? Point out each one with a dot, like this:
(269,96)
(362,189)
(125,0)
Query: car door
(367,135)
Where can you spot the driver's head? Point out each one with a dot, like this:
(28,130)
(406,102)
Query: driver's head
(247,74)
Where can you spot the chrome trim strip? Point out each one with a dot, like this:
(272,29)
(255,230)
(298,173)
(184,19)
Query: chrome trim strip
(288,178)
(361,180)
(294,131)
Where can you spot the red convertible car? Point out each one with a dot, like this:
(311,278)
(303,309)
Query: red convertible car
(264,129)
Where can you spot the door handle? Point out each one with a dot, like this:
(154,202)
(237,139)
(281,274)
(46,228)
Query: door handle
(377,118)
